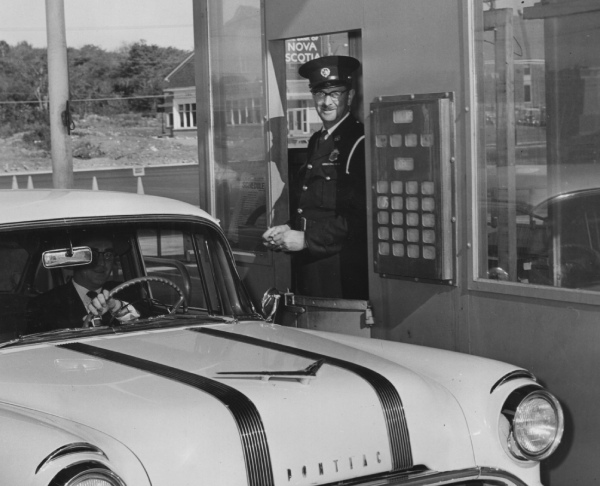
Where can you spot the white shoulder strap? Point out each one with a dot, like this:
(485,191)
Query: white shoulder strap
(352,152)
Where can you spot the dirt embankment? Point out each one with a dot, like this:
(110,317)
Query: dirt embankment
(126,140)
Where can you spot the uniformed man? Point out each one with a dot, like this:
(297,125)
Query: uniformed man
(328,234)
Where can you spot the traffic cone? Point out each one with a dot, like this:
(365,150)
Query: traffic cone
(140,186)
(15,183)
(29,182)
(94,184)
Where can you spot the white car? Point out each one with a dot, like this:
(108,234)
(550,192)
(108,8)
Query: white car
(202,390)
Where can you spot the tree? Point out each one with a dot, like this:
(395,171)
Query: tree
(23,77)
(143,70)
(135,70)
(24,73)
(91,74)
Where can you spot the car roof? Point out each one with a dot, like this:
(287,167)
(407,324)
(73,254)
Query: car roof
(581,196)
(29,205)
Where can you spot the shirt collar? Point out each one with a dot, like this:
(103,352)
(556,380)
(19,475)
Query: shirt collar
(332,129)
(82,292)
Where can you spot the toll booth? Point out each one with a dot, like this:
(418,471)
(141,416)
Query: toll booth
(482,124)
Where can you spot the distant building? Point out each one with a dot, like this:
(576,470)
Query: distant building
(240,83)
(529,73)
(180,100)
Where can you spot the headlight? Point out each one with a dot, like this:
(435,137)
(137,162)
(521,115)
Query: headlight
(84,475)
(537,423)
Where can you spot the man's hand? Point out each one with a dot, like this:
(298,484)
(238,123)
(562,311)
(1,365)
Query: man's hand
(269,235)
(283,238)
(101,304)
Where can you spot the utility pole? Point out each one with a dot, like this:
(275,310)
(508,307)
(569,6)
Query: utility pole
(58,90)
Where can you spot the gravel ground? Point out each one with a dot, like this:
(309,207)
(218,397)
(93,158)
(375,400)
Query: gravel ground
(104,142)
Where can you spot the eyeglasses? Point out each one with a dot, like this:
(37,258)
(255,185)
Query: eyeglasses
(108,255)
(334,95)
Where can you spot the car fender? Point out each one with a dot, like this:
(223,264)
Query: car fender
(42,445)
(480,385)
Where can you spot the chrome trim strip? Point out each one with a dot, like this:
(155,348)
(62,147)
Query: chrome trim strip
(389,397)
(513,375)
(259,469)
(74,448)
(420,477)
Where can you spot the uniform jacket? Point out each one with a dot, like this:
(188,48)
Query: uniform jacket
(330,200)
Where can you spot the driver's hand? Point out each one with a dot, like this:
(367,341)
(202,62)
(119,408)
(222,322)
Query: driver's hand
(101,304)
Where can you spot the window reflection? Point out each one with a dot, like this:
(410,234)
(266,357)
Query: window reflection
(302,117)
(238,115)
(540,195)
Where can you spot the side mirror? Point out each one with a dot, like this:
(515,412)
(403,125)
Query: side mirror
(270,303)
(67,257)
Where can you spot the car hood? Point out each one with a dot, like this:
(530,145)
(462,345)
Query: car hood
(241,403)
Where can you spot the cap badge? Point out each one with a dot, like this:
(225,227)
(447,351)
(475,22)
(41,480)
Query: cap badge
(325,72)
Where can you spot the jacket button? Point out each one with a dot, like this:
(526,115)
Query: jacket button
(327,178)
(309,166)
(299,211)
(304,188)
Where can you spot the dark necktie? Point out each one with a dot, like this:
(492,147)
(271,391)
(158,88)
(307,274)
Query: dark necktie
(322,137)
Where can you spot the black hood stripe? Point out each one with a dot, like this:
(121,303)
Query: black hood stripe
(250,426)
(389,397)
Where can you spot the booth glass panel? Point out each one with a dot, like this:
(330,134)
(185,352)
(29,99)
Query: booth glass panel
(238,114)
(539,177)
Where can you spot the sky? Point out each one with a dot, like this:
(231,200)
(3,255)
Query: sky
(109,24)
(112,23)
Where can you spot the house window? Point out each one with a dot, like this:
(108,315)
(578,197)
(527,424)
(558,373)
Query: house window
(243,111)
(187,115)
(527,84)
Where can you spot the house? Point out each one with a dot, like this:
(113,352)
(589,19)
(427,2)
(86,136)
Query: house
(180,100)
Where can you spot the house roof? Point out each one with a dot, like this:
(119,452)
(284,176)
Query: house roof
(183,75)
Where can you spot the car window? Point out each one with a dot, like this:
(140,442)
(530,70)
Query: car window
(169,253)
(12,262)
(194,257)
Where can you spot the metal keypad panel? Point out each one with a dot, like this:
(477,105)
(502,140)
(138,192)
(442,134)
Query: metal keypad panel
(412,154)
(403,219)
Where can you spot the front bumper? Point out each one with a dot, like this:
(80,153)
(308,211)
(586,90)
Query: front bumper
(419,476)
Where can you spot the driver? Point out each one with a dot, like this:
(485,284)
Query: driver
(69,305)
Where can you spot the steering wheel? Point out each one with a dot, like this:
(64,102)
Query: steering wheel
(147,278)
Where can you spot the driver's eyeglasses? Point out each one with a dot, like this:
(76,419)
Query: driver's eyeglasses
(334,95)
(109,255)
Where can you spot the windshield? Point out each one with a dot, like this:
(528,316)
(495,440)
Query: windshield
(186,260)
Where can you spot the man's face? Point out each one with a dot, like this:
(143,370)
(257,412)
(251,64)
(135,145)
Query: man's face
(95,274)
(332,110)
